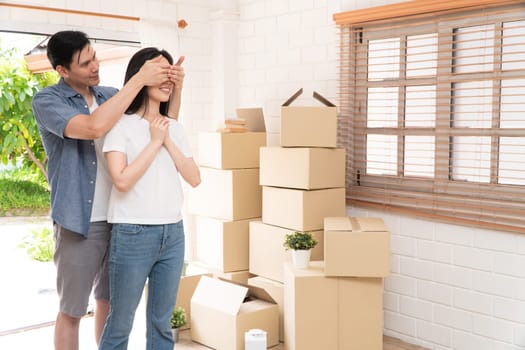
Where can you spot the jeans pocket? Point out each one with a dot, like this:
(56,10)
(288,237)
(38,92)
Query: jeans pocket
(127,229)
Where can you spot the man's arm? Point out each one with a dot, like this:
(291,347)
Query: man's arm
(89,127)
(177,78)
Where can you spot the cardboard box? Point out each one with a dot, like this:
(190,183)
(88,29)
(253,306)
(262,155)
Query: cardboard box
(227,194)
(276,291)
(187,286)
(230,150)
(223,311)
(237,276)
(302,210)
(336,313)
(267,254)
(356,247)
(308,126)
(302,168)
(222,244)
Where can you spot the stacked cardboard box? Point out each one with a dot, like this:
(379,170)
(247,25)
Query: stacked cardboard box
(227,200)
(345,290)
(303,182)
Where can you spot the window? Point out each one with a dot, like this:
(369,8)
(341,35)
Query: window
(432,110)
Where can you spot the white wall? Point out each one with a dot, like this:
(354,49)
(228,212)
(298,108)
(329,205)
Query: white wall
(452,287)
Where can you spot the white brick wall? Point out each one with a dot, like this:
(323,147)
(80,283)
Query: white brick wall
(451,287)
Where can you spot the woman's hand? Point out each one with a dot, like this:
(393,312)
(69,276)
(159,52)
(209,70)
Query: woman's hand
(158,128)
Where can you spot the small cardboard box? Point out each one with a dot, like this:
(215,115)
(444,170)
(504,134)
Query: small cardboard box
(222,244)
(230,150)
(336,313)
(268,240)
(227,194)
(308,126)
(276,291)
(357,247)
(303,168)
(223,311)
(302,210)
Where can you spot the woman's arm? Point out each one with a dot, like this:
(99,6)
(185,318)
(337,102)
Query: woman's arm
(125,175)
(185,165)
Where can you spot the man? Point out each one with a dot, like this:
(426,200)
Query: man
(73,116)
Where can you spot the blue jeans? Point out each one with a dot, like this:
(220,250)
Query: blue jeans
(137,253)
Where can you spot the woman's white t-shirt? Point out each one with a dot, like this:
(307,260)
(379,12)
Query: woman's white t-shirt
(156,198)
(103,182)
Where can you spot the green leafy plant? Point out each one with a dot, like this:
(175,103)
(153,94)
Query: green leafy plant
(299,240)
(178,317)
(39,245)
(19,137)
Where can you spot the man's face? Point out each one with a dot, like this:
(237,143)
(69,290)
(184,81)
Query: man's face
(83,70)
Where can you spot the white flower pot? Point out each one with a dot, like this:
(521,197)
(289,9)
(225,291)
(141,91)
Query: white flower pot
(301,258)
(175,333)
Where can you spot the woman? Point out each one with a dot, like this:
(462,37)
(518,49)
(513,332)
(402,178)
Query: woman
(146,152)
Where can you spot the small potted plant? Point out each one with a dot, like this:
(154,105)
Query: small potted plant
(301,243)
(178,320)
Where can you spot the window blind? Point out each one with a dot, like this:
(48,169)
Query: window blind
(432,111)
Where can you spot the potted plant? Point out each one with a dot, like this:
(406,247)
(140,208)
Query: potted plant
(301,243)
(178,320)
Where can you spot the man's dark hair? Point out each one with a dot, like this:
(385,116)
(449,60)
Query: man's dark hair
(62,45)
(134,65)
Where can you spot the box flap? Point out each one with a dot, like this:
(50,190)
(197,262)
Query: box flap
(260,293)
(323,100)
(342,223)
(254,118)
(372,224)
(293,97)
(219,295)
(253,291)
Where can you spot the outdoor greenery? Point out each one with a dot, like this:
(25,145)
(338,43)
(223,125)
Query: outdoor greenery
(39,245)
(178,317)
(23,191)
(299,240)
(19,138)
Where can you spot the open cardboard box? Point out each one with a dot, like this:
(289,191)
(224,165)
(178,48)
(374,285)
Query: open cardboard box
(305,126)
(222,311)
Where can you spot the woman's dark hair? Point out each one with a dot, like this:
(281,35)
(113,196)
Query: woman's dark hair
(134,65)
(62,45)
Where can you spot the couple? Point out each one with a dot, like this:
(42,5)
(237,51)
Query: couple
(114,157)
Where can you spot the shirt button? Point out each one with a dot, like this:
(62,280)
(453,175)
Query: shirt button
(91,182)
(85,106)
(92,143)
(94,163)
(89,201)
